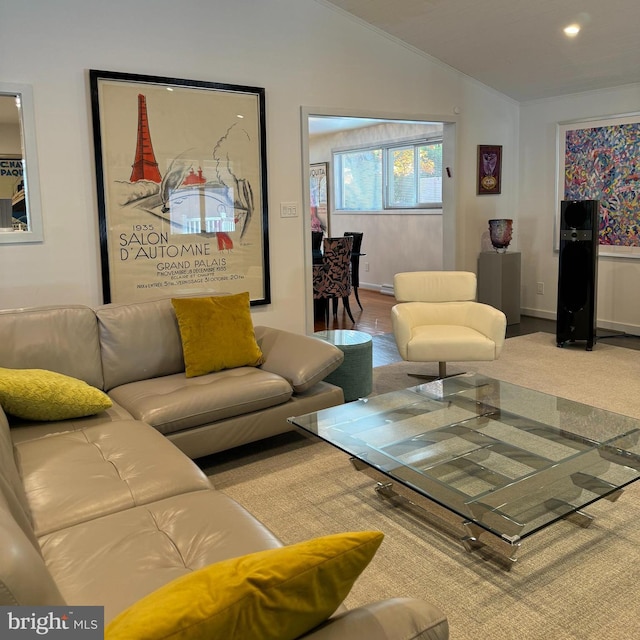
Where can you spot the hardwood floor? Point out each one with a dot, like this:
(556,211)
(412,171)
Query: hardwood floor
(375,319)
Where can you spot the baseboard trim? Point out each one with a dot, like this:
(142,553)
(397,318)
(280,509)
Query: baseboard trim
(537,313)
(386,289)
(630,329)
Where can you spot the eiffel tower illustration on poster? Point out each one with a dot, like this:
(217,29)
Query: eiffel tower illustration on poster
(144,166)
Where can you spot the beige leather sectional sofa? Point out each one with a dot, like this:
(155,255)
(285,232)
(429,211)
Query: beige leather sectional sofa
(105,510)
(134,353)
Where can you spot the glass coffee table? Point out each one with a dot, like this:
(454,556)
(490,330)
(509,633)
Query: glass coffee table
(500,460)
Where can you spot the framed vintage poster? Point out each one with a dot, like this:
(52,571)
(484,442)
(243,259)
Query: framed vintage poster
(319,190)
(489,169)
(182,187)
(599,159)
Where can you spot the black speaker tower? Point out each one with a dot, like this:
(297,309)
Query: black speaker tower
(578,271)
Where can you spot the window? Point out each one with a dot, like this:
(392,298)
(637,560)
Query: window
(414,176)
(407,176)
(359,180)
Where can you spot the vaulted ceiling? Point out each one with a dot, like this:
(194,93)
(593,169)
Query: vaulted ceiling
(517,47)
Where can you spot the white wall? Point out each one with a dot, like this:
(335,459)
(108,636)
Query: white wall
(301,51)
(618,303)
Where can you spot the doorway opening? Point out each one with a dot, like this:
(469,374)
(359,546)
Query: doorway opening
(402,239)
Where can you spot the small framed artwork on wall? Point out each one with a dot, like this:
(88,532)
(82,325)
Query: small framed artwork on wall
(489,169)
(319,190)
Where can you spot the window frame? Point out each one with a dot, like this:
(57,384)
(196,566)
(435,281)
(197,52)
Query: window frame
(386,149)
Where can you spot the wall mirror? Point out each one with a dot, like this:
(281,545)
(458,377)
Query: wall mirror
(20,212)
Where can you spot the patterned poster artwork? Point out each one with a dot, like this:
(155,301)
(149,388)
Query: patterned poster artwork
(603,163)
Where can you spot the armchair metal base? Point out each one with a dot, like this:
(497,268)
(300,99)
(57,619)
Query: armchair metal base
(442,373)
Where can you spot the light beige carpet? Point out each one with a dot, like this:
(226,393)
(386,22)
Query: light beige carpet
(569,583)
(607,377)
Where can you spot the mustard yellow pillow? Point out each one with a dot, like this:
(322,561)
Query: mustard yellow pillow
(277,594)
(38,394)
(217,333)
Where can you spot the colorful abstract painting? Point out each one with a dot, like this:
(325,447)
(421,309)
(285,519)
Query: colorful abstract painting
(602,162)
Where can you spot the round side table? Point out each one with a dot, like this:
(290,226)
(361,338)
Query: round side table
(355,374)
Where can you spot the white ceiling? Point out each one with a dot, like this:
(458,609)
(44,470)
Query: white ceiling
(319,125)
(517,46)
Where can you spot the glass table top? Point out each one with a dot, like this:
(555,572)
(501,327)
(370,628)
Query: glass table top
(510,459)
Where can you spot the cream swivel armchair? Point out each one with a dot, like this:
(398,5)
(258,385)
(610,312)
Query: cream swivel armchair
(438,320)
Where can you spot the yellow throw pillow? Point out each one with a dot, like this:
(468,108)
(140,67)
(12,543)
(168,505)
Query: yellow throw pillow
(278,594)
(217,333)
(38,394)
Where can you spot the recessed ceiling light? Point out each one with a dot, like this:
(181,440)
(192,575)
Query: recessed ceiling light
(572,30)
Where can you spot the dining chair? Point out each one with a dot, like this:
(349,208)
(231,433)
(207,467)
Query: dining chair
(320,301)
(355,261)
(332,278)
(316,246)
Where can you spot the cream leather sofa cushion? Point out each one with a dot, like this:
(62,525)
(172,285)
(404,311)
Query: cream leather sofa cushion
(22,430)
(299,360)
(139,341)
(24,579)
(118,559)
(173,403)
(392,618)
(62,339)
(10,480)
(74,476)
